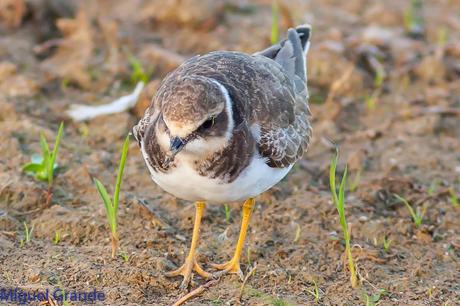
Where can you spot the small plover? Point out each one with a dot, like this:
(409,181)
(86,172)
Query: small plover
(227,126)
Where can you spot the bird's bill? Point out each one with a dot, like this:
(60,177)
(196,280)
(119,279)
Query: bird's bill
(176,145)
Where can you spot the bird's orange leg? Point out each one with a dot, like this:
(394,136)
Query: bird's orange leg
(233,266)
(190,263)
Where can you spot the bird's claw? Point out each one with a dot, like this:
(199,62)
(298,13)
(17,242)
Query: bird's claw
(232,266)
(186,269)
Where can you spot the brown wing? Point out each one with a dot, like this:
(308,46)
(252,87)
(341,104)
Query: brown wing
(283,116)
(285,123)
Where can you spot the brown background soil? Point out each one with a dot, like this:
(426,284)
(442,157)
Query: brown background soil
(409,144)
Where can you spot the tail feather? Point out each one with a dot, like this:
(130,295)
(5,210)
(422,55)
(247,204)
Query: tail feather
(304,32)
(291,52)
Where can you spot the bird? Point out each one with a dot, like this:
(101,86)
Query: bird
(225,127)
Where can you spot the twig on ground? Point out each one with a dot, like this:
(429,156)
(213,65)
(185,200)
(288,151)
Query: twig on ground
(196,292)
(147,213)
(246,278)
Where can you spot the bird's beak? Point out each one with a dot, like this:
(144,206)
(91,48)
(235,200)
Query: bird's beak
(176,145)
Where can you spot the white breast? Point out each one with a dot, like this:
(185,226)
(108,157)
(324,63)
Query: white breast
(185,183)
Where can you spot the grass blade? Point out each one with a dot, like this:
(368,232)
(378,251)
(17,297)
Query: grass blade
(32,167)
(124,154)
(54,154)
(453,197)
(339,201)
(44,145)
(417,217)
(107,201)
(275,21)
(332,171)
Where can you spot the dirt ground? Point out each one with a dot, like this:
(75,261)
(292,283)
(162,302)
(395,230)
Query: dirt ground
(385,86)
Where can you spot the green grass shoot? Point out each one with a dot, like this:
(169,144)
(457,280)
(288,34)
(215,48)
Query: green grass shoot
(379,77)
(27,234)
(124,256)
(373,300)
(61,295)
(57,237)
(386,244)
(248,256)
(339,201)
(275,22)
(371,100)
(315,291)
(434,186)
(417,215)
(43,167)
(138,74)
(453,198)
(111,204)
(413,20)
(227,213)
(356,180)
(442,37)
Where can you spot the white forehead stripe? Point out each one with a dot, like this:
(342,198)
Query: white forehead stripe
(228,107)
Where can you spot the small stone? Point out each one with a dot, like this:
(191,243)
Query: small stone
(34,278)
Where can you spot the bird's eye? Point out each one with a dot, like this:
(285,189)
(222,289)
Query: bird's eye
(208,123)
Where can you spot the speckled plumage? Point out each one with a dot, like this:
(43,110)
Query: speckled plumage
(269,115)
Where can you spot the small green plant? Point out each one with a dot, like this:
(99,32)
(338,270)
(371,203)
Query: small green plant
(413,20)
(417,215)
(124,256)
(373,300)
(111,205)
(386,244)
(379,77)
(453,197)
(138,74)
(57,237)
(248,256)
(356,180)
(268,300)
(217,302)
(275,22)
(339,201)
(227,213)
(27,234)
(60,294)
(434,186)
(315,291)
(43,167)
(442,37)
(371,100)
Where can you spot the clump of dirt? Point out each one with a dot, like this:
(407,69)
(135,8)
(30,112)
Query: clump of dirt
(387,97)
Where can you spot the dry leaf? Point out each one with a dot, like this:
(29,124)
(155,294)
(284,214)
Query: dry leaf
(11,12)
(72,58)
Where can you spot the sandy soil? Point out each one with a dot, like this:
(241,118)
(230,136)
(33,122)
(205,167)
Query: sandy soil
(400,135)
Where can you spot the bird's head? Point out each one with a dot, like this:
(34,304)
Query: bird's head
(196,116)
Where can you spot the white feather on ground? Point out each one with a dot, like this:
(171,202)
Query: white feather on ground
(80,112)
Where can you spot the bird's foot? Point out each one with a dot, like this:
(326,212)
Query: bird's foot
(232,266)
(186,269)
